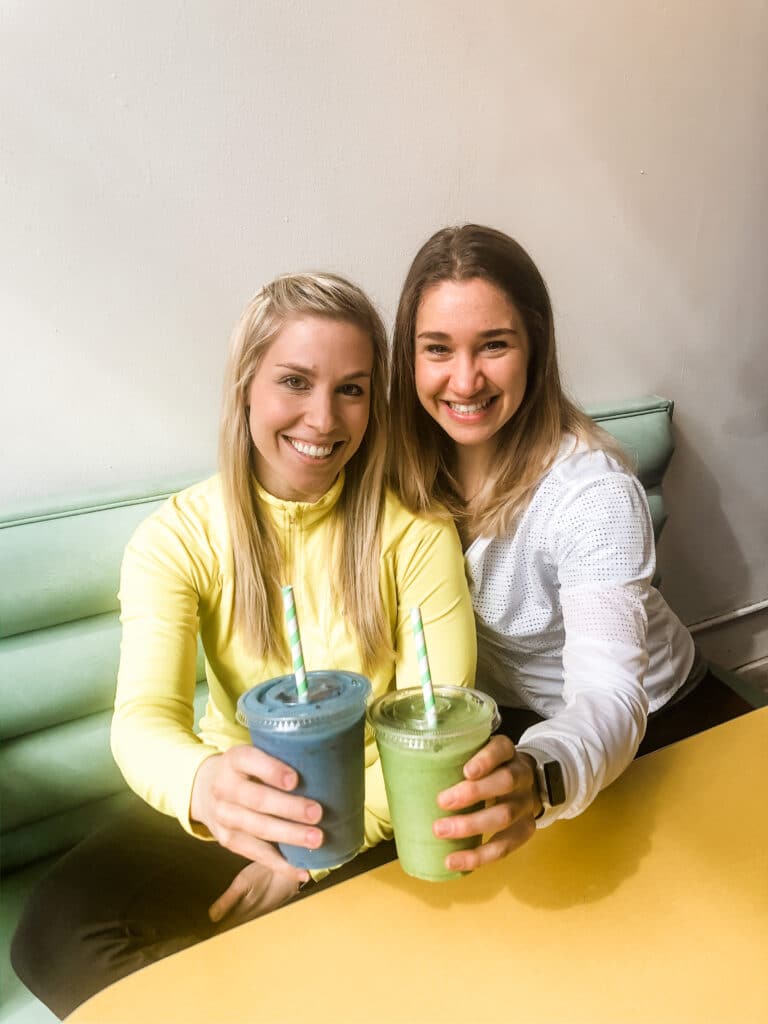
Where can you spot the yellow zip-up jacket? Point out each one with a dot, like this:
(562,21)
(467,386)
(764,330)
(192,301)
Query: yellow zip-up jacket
(178,580)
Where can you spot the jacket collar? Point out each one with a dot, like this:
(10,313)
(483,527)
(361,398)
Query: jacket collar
(305,512)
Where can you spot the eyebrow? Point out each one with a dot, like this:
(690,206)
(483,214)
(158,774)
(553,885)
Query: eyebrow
(308,371)
(495,332)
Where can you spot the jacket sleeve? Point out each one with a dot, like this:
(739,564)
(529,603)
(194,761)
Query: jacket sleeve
(152,736)
(427,572)
(601,541)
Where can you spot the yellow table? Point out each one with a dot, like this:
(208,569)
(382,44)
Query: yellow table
(651,907)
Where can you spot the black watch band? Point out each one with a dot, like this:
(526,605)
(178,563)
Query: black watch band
(553,778)
(551,784)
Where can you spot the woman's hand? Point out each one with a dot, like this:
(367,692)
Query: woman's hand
(254,891)
(243,797)
(505,781)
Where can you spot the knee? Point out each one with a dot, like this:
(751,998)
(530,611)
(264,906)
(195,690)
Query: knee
(33,943)
(44,949)
(22,957)
(27,956)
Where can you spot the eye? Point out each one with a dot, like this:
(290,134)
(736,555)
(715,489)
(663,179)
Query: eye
(294,383)
(351,390)
(435,348)
(496,345)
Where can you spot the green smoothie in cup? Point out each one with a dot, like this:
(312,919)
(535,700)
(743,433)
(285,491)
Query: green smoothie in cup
(419,761)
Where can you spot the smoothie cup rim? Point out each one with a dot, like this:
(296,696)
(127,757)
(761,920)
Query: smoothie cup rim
(417,737)
(292,717)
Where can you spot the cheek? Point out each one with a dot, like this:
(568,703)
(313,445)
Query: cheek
(261,424)
(357,423)
(517,378)
(251,424)
(364,417)
(424,379)
(524,376)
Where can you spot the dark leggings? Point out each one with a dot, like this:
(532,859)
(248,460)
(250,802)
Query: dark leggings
(133,892)
(140,888)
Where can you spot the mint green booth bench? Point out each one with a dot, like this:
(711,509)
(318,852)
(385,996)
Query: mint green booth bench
(59,650)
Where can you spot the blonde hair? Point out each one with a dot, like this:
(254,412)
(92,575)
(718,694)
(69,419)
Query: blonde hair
(258,558)
(421,456)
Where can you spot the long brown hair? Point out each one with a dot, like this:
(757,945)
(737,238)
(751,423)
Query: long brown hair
(257,555)
(421,453)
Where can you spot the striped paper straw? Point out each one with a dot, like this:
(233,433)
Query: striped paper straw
(295,641)
(424,673)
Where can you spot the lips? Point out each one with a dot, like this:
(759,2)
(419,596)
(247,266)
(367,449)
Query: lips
(313,451)
(469,408)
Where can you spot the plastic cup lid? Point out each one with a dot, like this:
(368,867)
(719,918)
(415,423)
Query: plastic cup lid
(399,716)
(274,705)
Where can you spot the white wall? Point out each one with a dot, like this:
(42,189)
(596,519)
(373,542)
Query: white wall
(160,160)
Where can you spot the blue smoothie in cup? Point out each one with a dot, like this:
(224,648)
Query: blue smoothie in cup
(324,741)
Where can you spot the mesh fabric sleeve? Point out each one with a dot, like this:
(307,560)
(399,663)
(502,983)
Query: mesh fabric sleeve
(601,541)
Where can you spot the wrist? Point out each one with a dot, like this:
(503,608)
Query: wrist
(198,799)
(550,781)
(538,804)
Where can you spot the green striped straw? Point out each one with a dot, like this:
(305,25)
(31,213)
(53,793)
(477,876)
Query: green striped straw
(424,673)
(295,641)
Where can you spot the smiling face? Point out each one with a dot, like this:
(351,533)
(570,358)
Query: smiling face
(471,361)
(308,405)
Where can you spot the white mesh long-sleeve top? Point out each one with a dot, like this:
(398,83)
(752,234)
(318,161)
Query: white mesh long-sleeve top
(570,626)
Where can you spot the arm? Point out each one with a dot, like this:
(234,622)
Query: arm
(602,544)
(240,797)
(153,741)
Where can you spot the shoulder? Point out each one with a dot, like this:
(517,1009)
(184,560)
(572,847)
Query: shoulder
(402,528)
(193,520)
(577,463)
(421,555)
(595,508)
(580,473)
(202,501)
(195,506)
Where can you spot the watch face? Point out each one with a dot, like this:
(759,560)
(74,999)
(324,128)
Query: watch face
(553,776)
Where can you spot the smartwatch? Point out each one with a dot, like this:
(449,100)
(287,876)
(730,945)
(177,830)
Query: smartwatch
(549,776)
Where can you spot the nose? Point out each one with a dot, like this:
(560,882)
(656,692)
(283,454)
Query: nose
(467,376)
(320,412)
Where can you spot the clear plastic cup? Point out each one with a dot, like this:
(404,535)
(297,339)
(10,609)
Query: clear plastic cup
(418,762)
(324,741)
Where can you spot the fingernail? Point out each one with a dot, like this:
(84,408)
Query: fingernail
(446,800)
(442,828)
(289,780)
(314,813)
(314,838)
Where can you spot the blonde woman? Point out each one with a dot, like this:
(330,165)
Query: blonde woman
(579,649)
(299,499)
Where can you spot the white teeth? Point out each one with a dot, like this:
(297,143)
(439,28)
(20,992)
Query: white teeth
(316,451)
(467,410)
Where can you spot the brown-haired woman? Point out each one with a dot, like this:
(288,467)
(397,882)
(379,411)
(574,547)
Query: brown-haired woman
(580,650)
